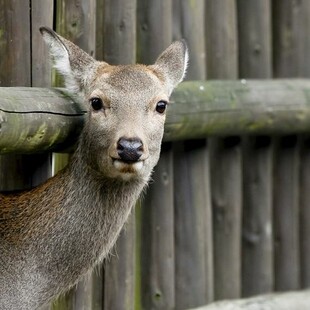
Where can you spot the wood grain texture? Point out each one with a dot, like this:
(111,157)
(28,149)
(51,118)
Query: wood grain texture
(58,120)
(189,18)
(17,70)
(154,29)
(255,54)
(193,226)
(305,212)
(291,38)
(254,38)
(225,161)
(41,15)
(257,230)
(119,271)
(119,32)
(226,186)
(221,39)
(198,109)
(157,247)
(193,219)
(286,214)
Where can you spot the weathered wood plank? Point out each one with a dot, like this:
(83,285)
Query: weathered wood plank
(59,121)
(221,39)
(157,252)
(193,220)
(257,231)
(305,212)
(290,35)
(189,19)
(41,15)
(237,107)
(255,54)
(286,214)
(119,31)
(15,63)
(226,186)
(222,62)
(193,226)
(119,272)
(254,37)
(291,38)
(198,109)
(15,57)
(153,36)
(15,70)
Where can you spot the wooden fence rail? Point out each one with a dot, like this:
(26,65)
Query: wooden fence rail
(41,119)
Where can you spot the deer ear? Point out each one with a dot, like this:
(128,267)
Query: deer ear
(73,63)
(172,63)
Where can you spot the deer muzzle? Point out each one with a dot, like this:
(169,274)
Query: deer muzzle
(129,150)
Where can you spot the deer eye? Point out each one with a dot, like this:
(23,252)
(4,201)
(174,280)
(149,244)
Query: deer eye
(96,103)
(161,106)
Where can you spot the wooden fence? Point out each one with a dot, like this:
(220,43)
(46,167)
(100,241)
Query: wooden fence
(227,214)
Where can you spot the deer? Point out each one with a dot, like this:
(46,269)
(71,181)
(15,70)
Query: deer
(53,235)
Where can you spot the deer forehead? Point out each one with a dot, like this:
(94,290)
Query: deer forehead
(134,83)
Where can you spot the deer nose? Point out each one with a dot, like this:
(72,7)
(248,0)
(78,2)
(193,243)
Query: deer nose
(129,149)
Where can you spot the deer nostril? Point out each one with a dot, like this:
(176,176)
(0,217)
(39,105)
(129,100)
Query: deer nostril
(129,149)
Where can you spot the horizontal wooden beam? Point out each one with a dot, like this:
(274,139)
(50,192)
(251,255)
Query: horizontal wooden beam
(243,107)
(38,119)
(41,119)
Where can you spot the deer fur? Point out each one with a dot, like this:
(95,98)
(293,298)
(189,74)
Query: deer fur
(54,234)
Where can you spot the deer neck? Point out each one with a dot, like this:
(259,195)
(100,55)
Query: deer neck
(100,205)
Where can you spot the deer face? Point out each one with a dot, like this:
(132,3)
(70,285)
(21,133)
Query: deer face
(126,106)
(127,110)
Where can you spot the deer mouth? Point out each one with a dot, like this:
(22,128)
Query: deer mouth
(128,166)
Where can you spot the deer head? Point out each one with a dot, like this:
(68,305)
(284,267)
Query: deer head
(126,106)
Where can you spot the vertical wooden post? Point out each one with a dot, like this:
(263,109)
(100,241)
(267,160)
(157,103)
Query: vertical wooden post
(188,23)
(24,171)
(157,246)
(157,265)
(305,213)
(193,225)
(257,231)
(119,47)
(192,193)
(255,53)
(226,186)
(291,38)
(153,36)
(119,31)
(226,176)
(286,214)
(254,33)
(15,70)
(288,36)
(221,39)
(300,49)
